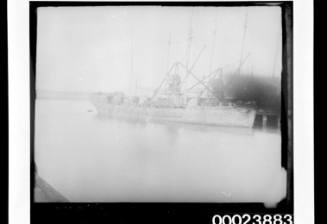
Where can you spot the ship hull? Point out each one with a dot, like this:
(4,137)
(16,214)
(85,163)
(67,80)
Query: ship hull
(219,116)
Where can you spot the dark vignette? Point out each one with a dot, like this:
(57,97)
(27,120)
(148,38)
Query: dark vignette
(319,110)
(168,212)
(4,113)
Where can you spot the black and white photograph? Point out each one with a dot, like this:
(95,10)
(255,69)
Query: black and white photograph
(159,104)
(160,112)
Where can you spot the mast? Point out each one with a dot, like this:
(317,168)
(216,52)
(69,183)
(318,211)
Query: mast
(213,44)
(189,46)
(168,53)
(243,40)
(132,65)
(189,39)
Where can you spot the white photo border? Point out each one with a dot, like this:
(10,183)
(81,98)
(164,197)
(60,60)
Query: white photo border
(19,111)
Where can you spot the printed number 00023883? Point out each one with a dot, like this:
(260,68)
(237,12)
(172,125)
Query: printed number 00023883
(253,219)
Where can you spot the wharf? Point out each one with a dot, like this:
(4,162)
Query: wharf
(266,118)
(44,192)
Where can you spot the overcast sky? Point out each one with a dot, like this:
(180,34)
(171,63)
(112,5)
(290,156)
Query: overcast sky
(110,48)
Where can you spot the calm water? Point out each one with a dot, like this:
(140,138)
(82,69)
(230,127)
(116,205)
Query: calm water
(89,158)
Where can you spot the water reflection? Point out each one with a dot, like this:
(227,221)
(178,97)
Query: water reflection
(95,158)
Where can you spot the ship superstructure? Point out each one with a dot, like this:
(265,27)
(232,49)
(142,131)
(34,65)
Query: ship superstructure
(174,101)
